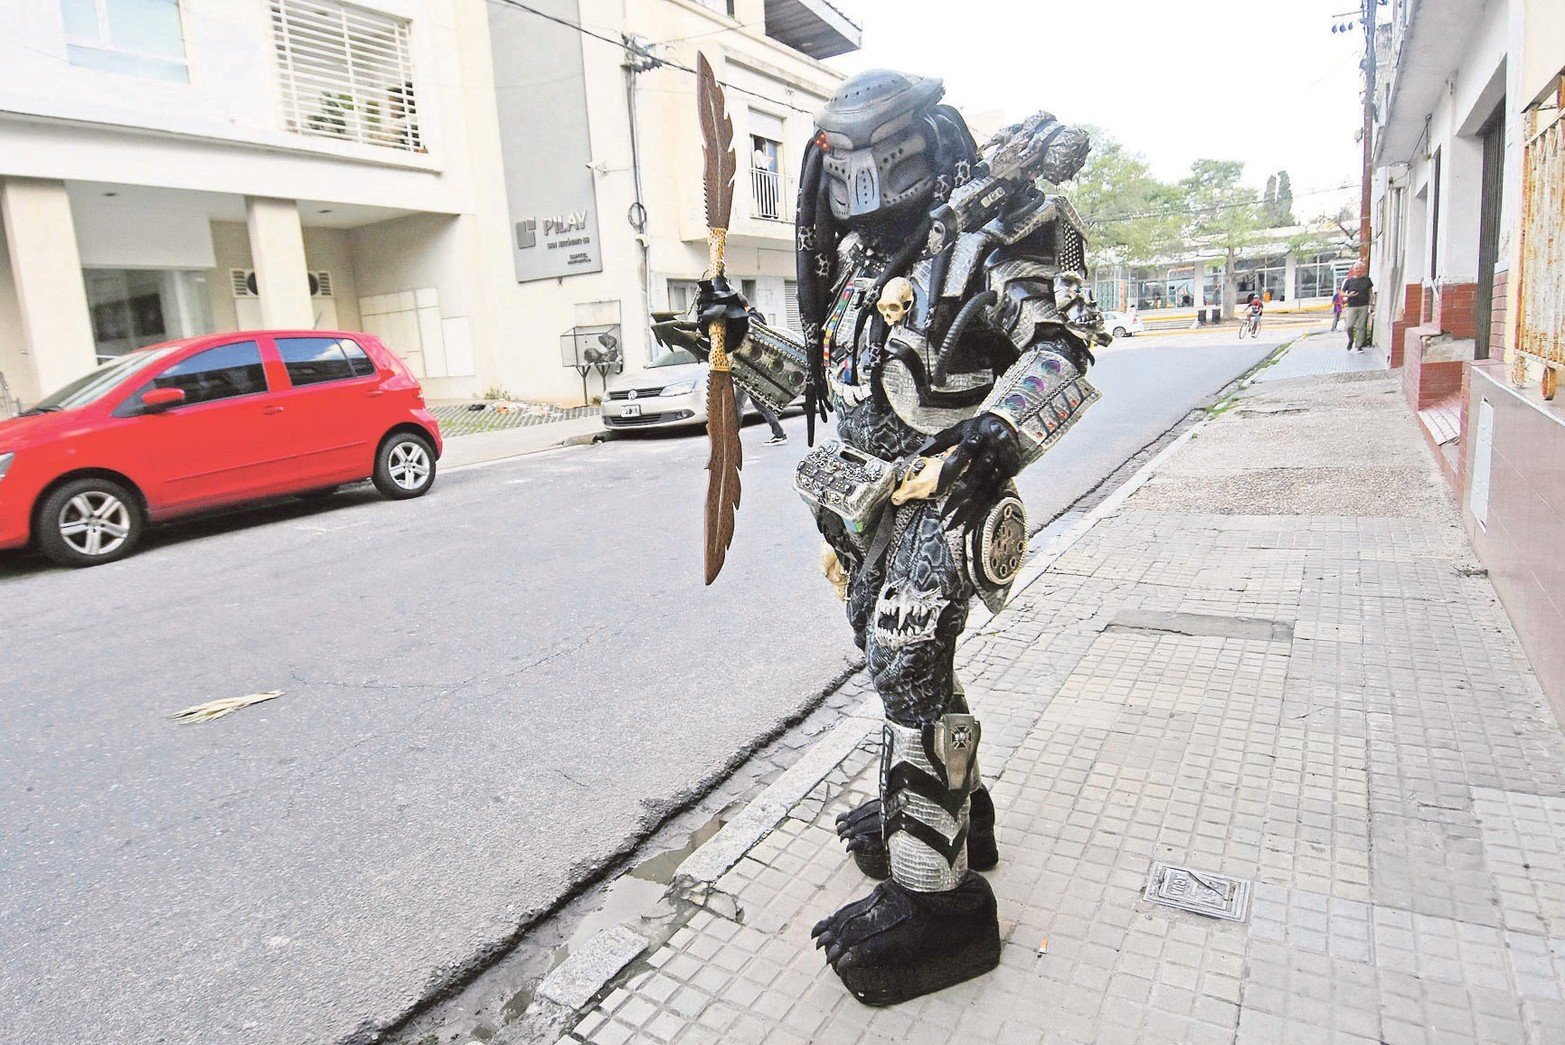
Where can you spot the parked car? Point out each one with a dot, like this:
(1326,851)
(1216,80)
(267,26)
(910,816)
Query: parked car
(209,422)
(1123,324)
(670,391)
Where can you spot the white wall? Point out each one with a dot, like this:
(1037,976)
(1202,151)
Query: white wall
(13,363)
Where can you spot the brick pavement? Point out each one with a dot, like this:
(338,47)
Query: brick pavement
(1311,692)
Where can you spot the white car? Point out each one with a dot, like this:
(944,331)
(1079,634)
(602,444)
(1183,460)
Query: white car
(1123,324)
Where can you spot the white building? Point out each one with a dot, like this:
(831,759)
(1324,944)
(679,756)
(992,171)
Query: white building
(456,176)
(1469,268)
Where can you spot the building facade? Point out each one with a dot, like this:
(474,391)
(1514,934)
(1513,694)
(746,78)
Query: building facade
(1294,266)
(1469,190)
(474,181)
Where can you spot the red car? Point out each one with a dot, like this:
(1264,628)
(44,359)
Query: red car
(204,423)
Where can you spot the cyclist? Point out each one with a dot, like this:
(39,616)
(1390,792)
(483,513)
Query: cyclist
(1253,310)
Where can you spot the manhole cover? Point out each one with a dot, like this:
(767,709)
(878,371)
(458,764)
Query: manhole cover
(1214,895)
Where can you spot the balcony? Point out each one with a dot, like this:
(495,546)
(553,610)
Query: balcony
(772,196)
(814,27)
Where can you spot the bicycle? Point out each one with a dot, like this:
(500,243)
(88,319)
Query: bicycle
(1251,326)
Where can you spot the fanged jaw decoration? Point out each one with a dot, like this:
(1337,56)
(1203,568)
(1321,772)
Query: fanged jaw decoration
(905,617)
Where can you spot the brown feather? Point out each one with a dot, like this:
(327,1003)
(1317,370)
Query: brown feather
(722,491)
(717,137)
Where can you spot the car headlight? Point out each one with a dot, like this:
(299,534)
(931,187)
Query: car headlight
(679,389)
(5,463)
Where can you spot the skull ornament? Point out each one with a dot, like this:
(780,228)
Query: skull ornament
(895,301)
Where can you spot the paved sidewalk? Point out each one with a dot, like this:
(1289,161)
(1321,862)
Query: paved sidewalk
(483,447)
(1274,661)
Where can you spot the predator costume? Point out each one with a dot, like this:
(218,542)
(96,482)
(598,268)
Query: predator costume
(946,323)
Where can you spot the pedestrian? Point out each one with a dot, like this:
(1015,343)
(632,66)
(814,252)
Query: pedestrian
(1336,309)
(741,397)
(1356,291)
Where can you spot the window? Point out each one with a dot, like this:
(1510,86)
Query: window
(345,73)
(312,360)
(682,294)
(136,37)
(224,372)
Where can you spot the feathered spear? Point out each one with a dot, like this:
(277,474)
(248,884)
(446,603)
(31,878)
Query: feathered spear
(722,416)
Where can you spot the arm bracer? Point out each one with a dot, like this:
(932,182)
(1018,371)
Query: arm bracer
(1041,396)
(771,365)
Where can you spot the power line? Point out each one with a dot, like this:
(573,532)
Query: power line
(638,53)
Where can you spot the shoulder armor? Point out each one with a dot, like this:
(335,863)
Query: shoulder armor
(965,258)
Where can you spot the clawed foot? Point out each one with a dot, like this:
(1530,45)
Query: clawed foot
(896,944)
(860,829)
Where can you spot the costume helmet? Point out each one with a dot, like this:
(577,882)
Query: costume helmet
(879,149)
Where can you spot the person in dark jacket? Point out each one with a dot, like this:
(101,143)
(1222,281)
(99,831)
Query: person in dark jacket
(1356,291)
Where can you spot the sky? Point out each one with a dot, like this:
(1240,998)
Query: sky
(1262,81)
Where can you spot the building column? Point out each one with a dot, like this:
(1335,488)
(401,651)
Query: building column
(277,251)
(1290,282)
(46,270)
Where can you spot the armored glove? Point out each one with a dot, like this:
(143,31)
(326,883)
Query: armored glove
(985,455)
(718,300)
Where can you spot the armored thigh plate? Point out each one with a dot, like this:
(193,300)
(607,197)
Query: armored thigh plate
(996,549)
(846,482)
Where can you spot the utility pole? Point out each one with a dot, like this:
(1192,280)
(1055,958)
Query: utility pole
(1369,128)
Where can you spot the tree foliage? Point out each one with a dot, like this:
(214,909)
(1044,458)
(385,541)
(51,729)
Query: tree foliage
(1277,201)
(1131,216)
(1221,214)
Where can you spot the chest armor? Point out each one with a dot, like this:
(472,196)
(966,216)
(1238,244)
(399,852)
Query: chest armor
(906,365)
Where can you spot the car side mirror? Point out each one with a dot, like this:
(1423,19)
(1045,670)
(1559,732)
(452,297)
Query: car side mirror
(160,399)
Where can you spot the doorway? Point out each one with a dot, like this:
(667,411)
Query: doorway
(1490,194)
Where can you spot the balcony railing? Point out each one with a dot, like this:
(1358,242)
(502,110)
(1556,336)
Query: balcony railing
(771,195)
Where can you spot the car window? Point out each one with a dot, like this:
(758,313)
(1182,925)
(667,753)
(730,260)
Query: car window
(362,365)
(224,372)
(312,360)
(96,384)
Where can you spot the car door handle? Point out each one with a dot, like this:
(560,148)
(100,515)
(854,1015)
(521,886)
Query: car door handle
(273,410)
(376,394)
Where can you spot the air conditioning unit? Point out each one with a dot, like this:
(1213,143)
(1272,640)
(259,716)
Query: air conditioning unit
(244,284)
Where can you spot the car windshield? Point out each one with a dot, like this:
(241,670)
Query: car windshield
(96,384)
(673,357)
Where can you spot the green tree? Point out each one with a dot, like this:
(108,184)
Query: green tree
(1277,201)
(1221,214)
(1131,216)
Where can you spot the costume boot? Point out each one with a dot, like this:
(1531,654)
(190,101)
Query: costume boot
(935,923)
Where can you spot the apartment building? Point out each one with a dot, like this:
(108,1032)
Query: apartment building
(478,182)
(1470,274)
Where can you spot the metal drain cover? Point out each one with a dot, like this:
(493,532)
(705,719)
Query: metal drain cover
(1201,892)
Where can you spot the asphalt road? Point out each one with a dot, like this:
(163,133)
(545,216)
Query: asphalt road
(486,693)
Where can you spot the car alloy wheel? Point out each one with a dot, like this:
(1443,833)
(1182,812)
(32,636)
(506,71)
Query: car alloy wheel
(405,466)
(408,464)
(1119,331)
(89,521)
(95,523)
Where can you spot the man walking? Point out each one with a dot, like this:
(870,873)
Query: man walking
(1336,310)
(1355,299)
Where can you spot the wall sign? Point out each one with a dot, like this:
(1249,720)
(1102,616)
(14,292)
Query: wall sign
(541,98)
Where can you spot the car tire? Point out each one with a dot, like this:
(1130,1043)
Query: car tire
(1120,332)
(405,466)
(89,522)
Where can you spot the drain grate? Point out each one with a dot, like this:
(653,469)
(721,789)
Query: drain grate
(1201,892)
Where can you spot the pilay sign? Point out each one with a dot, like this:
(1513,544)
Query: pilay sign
(568,232)
(541,99)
